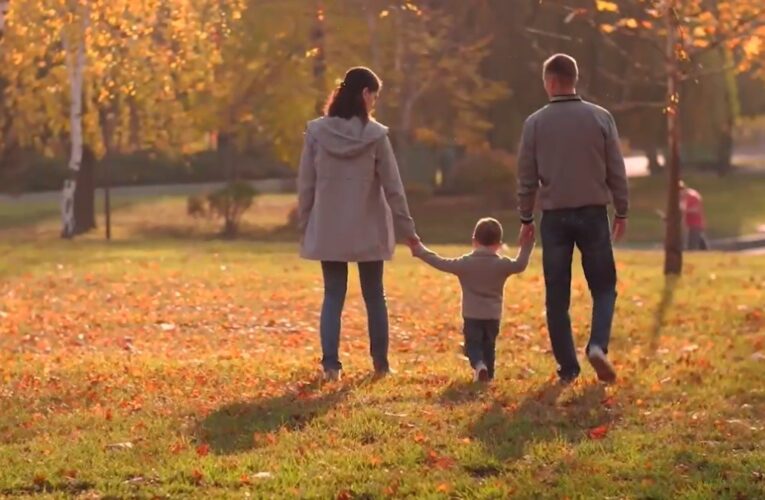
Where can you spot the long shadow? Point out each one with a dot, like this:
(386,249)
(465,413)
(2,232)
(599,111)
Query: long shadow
(463,391)
(660,315)
(507,429)
(235,428)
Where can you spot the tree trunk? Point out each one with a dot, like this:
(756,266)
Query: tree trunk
(402,65)
(374,38)
(134,136)
(4,5)
(673,241)
(403,138)
(318,39)
(226,156)
(85,194)
(106,118)
(76,66)
(652,154)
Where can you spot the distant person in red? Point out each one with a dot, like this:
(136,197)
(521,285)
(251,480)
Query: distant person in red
(692,207)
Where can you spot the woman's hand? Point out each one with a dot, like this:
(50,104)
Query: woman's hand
(414,243)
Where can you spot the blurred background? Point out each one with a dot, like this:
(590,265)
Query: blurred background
(181,119)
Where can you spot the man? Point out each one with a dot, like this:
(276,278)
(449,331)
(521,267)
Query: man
(570,153)
(692,206)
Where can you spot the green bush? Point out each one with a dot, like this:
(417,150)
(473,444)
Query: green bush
(491,174)
(228,203)
(196,206)
(39,173)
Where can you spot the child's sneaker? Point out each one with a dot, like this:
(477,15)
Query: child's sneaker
(332,375)
(602,366)
(481,373)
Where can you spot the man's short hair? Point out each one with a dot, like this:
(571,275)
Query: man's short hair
(563,67)
(488,232)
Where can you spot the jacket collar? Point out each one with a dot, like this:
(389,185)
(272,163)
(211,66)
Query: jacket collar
(565,98)
(484,252)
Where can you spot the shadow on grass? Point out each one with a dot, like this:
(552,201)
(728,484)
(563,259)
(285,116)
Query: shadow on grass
(463,391)
(42,486)
(665,303)
(506,429)
(233,428)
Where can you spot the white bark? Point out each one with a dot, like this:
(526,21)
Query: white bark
(76,70)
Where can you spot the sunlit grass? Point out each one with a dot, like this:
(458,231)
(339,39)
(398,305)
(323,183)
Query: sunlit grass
(190,370)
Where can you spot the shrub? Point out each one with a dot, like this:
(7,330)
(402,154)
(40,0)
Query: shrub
(490,174)
(228,203)
(196,206)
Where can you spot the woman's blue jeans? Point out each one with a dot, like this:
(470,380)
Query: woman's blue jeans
(335,287)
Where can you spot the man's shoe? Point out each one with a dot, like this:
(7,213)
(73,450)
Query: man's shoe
(603,367)
(481,373)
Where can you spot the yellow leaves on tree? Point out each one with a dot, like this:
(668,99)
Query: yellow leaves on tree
(605,6)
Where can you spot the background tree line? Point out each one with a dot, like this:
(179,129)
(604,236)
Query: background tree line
(229,84)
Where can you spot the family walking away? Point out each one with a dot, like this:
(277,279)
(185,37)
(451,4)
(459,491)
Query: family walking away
(352,205)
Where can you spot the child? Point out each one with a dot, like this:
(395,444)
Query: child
(482,274)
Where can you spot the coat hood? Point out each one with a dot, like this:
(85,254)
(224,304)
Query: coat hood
(346,138)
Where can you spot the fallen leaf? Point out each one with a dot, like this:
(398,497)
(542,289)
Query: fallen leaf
(598,432)
(203,449)
(197,476)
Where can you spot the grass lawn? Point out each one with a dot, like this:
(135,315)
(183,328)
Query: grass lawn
(158,368)
(734,205)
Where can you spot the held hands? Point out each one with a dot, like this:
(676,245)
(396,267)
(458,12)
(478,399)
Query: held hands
(414,243)
(527,234)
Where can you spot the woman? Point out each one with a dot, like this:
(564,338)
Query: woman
(350,198)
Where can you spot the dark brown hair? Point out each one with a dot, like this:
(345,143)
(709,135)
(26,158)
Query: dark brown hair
(347,100)
(563,67)
(488,232)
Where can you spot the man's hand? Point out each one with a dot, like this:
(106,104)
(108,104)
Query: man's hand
(619,229)
(527,234)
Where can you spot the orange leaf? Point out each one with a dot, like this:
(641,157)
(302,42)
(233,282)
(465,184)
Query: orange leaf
(598,432)
(203,449)
(444,488)
(197,476)
(177,447)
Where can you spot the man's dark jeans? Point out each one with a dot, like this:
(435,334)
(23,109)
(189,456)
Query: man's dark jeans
(335,287)
(480,342)
(588,228)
